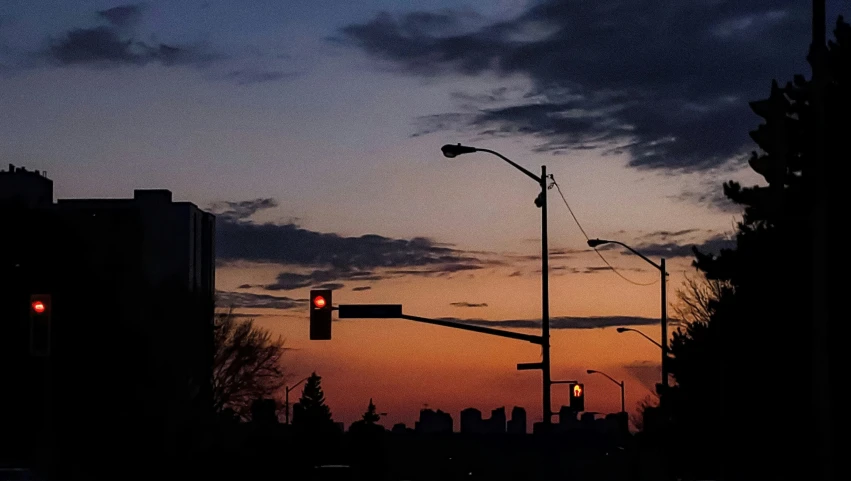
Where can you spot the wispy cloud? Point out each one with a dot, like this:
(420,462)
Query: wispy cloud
(123,15)
(468,304)
(106,46)
(713,245)
(249,300)
(317,258)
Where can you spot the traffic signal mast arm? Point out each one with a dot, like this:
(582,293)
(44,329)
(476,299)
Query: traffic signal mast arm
(483,330)
(378,311)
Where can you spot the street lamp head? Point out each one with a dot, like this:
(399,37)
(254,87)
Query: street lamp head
(590,371)
(596,242)
(621,330)
(451,151)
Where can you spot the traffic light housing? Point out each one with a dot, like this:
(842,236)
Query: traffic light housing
(577,397)
(41,312)
(320,314)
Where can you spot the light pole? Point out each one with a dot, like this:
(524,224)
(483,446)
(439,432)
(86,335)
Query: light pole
(287,390)
(452,151)
(593,243)
(621,330)
(619,383)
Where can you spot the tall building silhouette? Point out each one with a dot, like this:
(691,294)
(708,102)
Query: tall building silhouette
(131,283)
(433,422)
(517,424)
(471,421)
(496,423)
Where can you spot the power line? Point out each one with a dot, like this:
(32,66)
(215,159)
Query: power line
(588,238)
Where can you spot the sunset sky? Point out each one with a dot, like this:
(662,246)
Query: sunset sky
(313,128)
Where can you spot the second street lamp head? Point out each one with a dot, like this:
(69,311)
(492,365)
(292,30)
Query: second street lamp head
(590,371)
(451,151)
(596,242)
(621,330)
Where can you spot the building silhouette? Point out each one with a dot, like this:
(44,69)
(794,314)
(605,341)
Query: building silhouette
(131,285)
(471,421)
(517,424)
(433,422)
(496,423)
(264,412)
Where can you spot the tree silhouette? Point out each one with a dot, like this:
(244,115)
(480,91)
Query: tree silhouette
(313,414)
(371,416)
(743,363)
(246,364)
(368,424)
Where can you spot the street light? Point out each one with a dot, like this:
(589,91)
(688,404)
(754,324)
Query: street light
(621,330)
(623,403)
(287,389)
(452,151)
(594,243)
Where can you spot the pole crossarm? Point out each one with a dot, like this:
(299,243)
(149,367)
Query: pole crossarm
(480,329)
(639,254)
(644,335)
(515,165)
(610,377)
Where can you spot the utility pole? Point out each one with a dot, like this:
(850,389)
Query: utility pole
(664,317)
(545,307)
(820,323)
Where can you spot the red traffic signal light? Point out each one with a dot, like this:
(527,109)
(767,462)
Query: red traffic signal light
(40,325)
(320,315)
(319,302)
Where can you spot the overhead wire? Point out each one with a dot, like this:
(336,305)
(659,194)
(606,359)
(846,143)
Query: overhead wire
(578,224)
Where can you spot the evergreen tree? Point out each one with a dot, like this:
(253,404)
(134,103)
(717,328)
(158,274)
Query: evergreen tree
(371,416)
(742,396)
(313,414)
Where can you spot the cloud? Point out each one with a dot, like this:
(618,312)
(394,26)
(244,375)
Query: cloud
(105,46)
(122,16)
(647,373)
(468,304)
(667,234)
(318,258)
(248,300)
(331,285)
(665,83)
(361,288)
(711,196)
(565,322)
(257,76)
(713,245)
(241,210)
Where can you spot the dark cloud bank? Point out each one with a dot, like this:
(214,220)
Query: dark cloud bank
(666,82)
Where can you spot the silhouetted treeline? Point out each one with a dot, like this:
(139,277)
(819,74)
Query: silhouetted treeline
(743,405)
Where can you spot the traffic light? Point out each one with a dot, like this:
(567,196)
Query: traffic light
(320,315)
(577,397)
(40,314)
